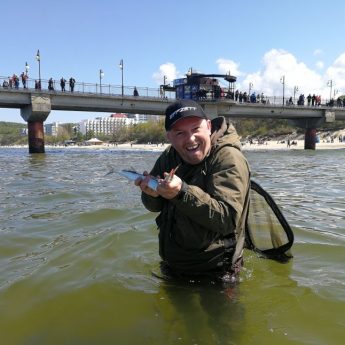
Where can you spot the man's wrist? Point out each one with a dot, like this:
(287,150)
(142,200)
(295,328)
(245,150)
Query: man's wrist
(182,191)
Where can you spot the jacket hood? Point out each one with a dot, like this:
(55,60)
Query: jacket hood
(223,134)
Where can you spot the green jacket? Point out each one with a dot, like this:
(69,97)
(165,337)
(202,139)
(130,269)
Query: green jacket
(203,229)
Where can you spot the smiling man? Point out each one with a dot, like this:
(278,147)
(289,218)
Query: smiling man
(202,195)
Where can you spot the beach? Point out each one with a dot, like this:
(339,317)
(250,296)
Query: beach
(278,143)
(282,145)
(267,145)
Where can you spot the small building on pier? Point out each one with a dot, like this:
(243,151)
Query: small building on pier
(200,86)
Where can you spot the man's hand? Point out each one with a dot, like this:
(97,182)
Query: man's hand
(169,187)
(143,184)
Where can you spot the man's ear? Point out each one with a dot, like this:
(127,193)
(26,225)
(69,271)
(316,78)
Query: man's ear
(209,126)
(167,135)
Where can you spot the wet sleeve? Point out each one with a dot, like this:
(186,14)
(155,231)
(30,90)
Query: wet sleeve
(151,203)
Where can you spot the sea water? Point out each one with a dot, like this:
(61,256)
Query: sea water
(77,252)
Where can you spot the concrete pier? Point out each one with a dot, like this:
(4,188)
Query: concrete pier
(35,106)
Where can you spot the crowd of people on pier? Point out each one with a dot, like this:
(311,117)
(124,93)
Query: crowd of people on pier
(310,100)
(14,81)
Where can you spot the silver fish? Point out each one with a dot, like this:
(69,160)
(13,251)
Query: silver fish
(133,175)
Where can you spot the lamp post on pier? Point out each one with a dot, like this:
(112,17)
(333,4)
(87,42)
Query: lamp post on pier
(164,81)
(282,80)
(25,77)
(121,67)
(101,75)
(330,84)
(26,68)
(38,58)
(250,89)
(295,89)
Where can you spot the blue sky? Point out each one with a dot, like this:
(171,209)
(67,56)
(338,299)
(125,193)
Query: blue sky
(258,41)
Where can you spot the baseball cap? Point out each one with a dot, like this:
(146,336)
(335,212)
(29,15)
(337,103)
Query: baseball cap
(181,109)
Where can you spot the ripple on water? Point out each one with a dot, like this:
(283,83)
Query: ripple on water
(71,237)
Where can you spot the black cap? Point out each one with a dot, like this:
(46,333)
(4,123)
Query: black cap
(181,109)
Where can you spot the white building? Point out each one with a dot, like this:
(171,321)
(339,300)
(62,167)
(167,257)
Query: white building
(106,125)
(51,128)
(109,125)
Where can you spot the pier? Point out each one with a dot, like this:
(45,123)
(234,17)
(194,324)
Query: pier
(36,105)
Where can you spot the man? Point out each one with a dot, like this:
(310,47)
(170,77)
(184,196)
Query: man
(203,204)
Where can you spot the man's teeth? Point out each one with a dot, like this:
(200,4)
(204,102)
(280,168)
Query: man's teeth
(190,148)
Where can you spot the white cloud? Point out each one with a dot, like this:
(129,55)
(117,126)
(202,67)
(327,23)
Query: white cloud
(224,66)
(277,63)
(169,71)
(318,52)
(319,64)
(336,73)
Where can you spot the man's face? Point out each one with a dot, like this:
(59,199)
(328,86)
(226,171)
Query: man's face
(191,138)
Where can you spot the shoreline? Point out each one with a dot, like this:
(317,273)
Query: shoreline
(256,144)
(273,145)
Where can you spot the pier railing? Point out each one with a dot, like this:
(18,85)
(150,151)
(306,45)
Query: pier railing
(125,90)
(89,88)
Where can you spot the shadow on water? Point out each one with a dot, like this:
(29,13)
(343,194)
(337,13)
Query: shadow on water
(201,313)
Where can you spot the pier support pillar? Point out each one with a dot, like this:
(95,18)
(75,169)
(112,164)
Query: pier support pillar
(310,125)
(36,137)
(35,114)
(310,139)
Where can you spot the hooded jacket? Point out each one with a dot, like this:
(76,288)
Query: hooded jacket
(203,228)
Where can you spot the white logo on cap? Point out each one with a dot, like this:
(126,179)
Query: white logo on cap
(180,111)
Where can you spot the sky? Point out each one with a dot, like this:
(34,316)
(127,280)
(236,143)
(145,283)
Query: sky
(259,42)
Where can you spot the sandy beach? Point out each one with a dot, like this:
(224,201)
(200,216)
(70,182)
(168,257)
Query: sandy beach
(272,144)
(267,145)
(275,145)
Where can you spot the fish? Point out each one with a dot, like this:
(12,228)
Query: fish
(133,175)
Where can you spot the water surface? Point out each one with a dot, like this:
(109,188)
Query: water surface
(77,250)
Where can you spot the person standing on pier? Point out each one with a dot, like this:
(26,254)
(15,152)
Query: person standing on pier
(51,84)
(203,202)
(23,77)
(63,84)
(71,84)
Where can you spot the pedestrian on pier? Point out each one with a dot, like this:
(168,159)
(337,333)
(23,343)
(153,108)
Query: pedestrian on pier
(23,77)
(15,81)
(37,85)
(51,84)
(313,100)
(236,95)
(71,84)
(135,92)
(62,84)
(309,99)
